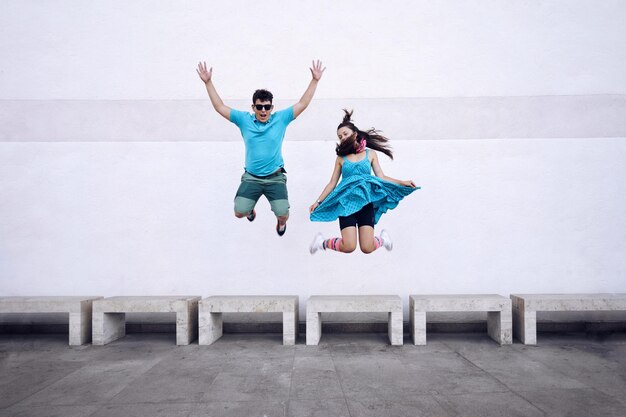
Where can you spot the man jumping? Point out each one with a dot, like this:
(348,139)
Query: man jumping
(263,133)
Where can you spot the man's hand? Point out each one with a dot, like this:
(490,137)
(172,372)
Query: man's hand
(203,73)
(216,101)
(317,70)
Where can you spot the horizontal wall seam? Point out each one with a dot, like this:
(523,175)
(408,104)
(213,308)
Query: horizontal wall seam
(320,98)
(238,140)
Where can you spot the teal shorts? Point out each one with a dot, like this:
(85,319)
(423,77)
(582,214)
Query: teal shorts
(273,187)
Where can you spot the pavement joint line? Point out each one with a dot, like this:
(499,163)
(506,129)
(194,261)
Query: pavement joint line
(505,385)
(43,388)
(293,366)
(136,378)
(345,399)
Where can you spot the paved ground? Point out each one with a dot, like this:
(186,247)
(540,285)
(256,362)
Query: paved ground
(350,375)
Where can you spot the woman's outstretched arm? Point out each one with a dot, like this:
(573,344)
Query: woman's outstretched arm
(334,179)
(378,171)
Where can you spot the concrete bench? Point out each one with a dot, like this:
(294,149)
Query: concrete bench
(498,310)
(109,316)
(318,304)
(211,309)
(525,307)
(79,309)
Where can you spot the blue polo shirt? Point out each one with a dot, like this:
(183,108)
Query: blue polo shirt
(263,140)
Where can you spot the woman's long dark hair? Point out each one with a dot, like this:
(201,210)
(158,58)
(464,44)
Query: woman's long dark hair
(373,138)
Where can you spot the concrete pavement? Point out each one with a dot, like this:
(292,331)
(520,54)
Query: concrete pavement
(351,375)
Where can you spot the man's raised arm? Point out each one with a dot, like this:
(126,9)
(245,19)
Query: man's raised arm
(316,72)
(217,102)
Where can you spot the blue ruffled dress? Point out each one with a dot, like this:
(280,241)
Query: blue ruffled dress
(357,188)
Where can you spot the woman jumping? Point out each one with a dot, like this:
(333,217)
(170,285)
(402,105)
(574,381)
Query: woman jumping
(360,198)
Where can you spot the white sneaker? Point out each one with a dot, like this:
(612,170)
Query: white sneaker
(387,243)
(317,244)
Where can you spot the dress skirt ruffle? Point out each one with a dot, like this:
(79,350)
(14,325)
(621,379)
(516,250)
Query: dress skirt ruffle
(354,192)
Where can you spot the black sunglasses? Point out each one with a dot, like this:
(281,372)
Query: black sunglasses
(263,106)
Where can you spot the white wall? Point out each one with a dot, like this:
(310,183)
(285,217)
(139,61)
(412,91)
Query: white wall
(132,218)
(115,49)
(116,178)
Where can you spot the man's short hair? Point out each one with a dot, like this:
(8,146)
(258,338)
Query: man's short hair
(262,95)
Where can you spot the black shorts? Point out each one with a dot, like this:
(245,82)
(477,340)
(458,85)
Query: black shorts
(363,217)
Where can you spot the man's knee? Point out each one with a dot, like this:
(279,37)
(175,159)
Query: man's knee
(243,206)
(280,208)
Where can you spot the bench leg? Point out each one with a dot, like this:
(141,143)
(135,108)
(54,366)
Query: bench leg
(499,326)
(313,327)
(80,325)
(418,326)
(290,327)
(525,325)
(107,327)
(187,325)
(210,327)
(395,330)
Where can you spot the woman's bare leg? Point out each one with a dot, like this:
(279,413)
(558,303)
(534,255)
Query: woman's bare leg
(369,243)
(346,243)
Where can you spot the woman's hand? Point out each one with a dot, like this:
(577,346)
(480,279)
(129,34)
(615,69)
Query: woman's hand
(313,207)
(408,183)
